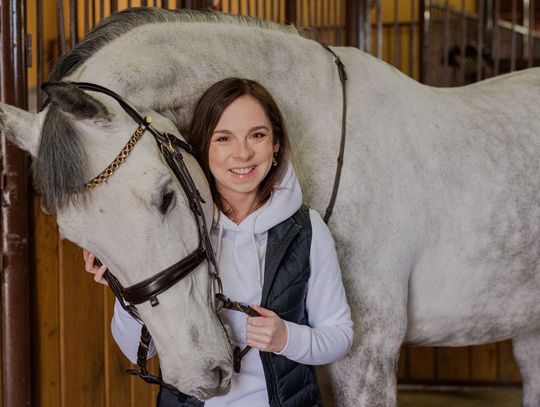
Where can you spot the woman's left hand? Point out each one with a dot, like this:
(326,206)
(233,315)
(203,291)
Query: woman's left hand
(268,332)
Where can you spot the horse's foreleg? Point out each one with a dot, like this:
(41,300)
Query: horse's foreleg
(366,377)
(527,354)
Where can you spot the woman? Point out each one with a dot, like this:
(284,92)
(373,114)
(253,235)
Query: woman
(271,251)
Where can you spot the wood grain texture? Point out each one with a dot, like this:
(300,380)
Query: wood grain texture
(452,363)
(45,322)
(82,346)
(508,370)
(484,362)
(117,381)
(421,364)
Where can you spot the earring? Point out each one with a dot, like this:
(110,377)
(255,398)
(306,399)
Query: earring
(274,161)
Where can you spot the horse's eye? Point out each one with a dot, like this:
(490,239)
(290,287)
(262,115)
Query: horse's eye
(167,198)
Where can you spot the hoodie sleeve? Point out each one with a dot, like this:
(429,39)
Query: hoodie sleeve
(329,334)
(126,332)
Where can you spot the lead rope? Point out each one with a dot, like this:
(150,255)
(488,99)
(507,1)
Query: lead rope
(343,80)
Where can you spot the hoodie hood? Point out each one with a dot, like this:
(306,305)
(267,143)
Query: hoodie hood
(286,199)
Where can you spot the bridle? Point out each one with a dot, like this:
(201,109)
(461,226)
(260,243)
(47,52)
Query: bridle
(171,148)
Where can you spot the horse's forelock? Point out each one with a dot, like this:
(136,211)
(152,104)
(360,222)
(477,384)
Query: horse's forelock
(61,166)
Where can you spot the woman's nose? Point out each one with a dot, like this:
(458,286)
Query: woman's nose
(243,151)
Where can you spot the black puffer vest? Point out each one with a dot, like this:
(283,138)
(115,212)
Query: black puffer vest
(286,275)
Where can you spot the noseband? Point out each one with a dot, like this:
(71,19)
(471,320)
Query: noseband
(171,148)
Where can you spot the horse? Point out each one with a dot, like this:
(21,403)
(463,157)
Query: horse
(436,222)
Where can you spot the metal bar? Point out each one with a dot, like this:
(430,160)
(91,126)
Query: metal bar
(351,23)
(397,36)
(61,32)
(496,47)
(463,44)
(367,13)
(513,43)
(14,219)
(101,9)
(86,16)
(165,3)
(425,40)
(530,39)
(361,25)
(94,13)
(144,3)
(480,43)
(412,45)
(329,21)
(72,23)
(446,42)
(337,23)
(39,43)
(113,6)
(290,12)
(380,29)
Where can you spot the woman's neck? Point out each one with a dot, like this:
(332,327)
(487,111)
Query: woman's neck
(239,207)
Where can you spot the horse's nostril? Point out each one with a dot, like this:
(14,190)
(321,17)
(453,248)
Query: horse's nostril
(221,376)
(218,372)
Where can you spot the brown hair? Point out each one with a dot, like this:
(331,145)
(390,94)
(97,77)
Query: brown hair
(208,111)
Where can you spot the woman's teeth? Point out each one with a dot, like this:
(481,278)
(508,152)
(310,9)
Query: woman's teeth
(242,171)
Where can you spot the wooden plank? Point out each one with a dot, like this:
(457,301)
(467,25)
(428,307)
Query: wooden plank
(44,305)
(117,381)
(484,362)
(452,363)
(421,364)
(141,392)
(402,363)
(508,370)
(82,347)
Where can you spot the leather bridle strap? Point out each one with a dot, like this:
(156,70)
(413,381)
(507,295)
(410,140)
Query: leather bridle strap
(147,290)
(343,80)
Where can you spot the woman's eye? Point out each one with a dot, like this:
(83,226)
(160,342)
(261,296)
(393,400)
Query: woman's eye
(221,139)
(259,135)
(166,201)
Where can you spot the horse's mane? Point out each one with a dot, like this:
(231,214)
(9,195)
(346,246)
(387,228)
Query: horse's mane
(61,166)
(119,24)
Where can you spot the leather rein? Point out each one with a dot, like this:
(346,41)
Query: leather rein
(171,148)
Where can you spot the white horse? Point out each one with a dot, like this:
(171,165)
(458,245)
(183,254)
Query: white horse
(437,220)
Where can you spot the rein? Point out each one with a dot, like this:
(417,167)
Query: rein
(343,79)
(171,148)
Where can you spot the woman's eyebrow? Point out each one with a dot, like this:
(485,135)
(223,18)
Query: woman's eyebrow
(225,131)
(258,128)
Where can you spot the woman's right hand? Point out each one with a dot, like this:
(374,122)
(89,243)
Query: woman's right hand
(96,271)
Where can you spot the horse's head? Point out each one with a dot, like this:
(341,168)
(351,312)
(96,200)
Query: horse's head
(138,221)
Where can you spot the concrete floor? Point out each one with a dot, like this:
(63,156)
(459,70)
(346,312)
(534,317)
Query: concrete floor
(409,396)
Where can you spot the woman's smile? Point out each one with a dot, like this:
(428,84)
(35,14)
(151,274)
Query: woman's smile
(243,172)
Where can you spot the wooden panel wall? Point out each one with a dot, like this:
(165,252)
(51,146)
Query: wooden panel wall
(76,362)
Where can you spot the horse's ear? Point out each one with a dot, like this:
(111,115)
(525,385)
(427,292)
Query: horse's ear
(21,127)
(75,102)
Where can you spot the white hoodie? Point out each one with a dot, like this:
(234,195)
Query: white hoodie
(241,251)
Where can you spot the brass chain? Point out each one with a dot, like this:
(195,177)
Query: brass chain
(120,158)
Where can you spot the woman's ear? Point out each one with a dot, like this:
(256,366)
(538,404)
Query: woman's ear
(276,147)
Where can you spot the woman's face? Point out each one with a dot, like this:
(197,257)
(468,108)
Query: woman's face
(241,150)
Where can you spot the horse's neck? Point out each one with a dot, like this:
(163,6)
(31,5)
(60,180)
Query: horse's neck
(168,76)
